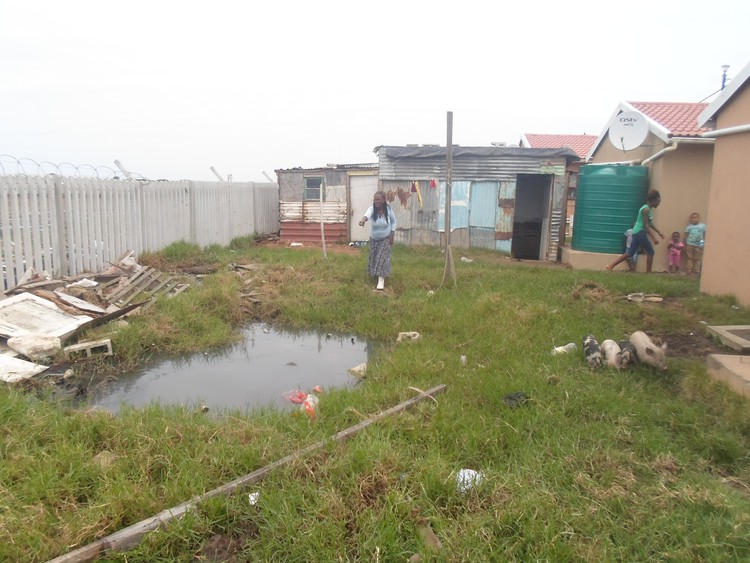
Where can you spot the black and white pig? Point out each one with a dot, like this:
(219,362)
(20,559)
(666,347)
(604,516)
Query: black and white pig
(648,352)
(612,354)
(592,351)
(628,353)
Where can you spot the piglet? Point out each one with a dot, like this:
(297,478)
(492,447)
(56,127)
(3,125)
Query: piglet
(648,352)
(612,354)
(592,351)
(628,353)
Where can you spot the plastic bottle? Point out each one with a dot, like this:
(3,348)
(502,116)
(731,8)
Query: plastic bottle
(569,347)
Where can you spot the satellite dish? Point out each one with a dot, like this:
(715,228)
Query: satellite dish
(628,130)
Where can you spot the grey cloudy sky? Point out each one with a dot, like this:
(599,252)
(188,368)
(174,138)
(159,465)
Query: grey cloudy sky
(171,88)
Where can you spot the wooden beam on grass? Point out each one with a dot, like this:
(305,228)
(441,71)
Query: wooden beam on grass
(131,536)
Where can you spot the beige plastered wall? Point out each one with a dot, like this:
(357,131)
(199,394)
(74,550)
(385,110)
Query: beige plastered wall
(726,261)
(682,176)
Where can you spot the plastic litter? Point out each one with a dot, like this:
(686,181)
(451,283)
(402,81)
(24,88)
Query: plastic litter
(309,405)
(462,359)
(253,498)
(569,347)
(297,397)
(467,479)
(467,260)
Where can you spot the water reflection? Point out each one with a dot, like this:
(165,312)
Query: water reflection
(253,373)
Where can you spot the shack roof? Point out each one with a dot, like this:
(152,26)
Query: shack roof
(396,152)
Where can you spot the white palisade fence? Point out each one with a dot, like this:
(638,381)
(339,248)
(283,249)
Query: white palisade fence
(68,226)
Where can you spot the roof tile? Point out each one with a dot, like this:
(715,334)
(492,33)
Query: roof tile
(679,118)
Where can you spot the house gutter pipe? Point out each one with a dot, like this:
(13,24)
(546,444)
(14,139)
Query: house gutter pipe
(661,153)
(726,131)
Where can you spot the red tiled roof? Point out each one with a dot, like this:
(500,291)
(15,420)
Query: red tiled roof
(579,143)
(680,119)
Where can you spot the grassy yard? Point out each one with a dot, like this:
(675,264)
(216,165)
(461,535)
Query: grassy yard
(595,466)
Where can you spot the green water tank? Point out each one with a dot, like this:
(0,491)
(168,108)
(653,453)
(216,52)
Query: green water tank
(607,202)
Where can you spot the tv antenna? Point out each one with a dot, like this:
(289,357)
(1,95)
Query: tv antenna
(628,130)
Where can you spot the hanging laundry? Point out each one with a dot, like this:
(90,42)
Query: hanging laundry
(419,194)
(433,183)
(413,187)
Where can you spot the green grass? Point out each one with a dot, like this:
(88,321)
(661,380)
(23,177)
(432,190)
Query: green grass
(597,466)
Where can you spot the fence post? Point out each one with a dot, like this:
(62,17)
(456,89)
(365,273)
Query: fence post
(60,250)
(193,213)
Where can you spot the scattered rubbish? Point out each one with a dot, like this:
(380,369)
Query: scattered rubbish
(735,307)
(28,314)
(297,397)
(295,244)
(13,369)
(465,259)
(645,297)
(462,359)
(85,282)
(253,498)
(69,374)
(35,347)
(358,371)
(516,399)
(204,408)
(358,243)
(569,347)
(98,347)
(408,337)
(467,479)
(430,293)
(310,405)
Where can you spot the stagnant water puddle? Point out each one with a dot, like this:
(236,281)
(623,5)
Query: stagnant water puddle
(254,373)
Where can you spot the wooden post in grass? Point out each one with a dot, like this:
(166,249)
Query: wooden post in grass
(131,536)
(449,266)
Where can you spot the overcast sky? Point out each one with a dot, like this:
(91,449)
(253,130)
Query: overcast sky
(171,88)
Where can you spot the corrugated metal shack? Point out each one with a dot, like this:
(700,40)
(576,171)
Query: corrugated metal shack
(300,205)
(505,198)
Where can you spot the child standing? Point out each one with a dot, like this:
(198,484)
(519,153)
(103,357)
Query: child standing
(695,233)
(675,247)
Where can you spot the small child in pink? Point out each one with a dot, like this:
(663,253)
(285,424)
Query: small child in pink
(674,247)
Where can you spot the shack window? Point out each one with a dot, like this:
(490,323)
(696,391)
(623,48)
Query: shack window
(312,188)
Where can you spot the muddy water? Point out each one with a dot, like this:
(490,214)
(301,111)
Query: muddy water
(255,373)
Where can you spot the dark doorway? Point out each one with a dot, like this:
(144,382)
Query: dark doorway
(530,215)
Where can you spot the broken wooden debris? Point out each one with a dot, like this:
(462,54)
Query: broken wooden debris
(131,536)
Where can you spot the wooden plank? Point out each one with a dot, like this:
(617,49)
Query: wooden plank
(131,536)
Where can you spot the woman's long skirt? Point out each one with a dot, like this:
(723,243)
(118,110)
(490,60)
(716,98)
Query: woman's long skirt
(380,258)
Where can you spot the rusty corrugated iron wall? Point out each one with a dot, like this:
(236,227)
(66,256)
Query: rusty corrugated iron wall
(483,192)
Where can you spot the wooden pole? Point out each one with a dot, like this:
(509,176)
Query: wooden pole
(322,229)
(131,536)
(449,266)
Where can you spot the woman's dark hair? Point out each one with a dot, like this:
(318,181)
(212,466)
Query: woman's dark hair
(385,208)
(652,195)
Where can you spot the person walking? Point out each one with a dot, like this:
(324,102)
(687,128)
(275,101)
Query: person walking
(382,228)
(644,223)
(695,232)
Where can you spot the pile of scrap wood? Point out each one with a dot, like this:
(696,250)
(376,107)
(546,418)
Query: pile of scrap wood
(40,314)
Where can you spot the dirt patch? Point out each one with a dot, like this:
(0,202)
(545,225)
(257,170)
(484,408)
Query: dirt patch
(693,345)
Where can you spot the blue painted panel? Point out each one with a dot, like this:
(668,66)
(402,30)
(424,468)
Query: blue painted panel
(503,246)
(483,204)
(459,205)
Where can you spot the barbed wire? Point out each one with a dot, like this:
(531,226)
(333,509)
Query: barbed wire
(25,166)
